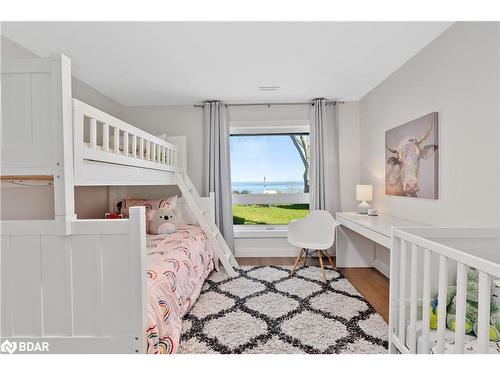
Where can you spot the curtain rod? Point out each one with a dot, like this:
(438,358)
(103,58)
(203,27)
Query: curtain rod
(334,102)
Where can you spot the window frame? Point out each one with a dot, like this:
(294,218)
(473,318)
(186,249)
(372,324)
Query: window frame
(287,127)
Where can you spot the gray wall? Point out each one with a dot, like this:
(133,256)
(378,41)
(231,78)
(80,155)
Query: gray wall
(185,120)
(456,75)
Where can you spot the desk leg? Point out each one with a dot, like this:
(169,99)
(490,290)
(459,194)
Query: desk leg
(353,250)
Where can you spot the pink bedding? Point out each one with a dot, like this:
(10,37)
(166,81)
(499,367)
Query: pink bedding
(177,265)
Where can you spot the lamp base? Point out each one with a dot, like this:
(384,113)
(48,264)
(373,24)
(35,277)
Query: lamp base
(363,208)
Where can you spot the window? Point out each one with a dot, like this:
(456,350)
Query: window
(269,178)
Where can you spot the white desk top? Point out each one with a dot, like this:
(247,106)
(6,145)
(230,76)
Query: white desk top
(382,224)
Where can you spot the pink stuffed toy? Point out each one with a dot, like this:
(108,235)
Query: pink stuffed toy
(163,221)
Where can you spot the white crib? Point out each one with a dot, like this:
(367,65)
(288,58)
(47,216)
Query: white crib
(424,262)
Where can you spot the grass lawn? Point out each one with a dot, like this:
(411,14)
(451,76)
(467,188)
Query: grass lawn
(268,214)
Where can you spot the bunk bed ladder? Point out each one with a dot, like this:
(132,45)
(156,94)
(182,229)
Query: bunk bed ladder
(221,249)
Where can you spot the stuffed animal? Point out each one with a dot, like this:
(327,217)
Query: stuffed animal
(471,308)
(163,221)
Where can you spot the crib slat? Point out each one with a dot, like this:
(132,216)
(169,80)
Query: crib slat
(413,300)
(163,150)
(460,308)
(116,145)
(394,294)
(442,292)
(153,152)
(105,137)
(134,146)
(125,143)
(141,148)
(93,133)
(402,294)
(426,301)
(167,157)
(483,323)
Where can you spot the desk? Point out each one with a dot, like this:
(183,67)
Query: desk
(365,241)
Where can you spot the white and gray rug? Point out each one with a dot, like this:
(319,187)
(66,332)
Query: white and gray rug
(265,310)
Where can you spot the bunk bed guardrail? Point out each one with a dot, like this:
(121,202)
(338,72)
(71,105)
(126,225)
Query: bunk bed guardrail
(101,137)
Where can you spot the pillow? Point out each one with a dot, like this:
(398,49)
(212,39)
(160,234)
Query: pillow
(150,204)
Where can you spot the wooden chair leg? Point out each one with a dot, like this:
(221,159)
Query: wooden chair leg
(297,261)
(305,257)
(320,255)
(332,263)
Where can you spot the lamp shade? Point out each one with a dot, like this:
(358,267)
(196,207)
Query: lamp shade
(364,192)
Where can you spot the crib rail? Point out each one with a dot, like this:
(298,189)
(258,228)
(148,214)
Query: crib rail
(101,137)
(412,258)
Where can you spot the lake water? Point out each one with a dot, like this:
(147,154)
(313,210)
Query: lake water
(279,186)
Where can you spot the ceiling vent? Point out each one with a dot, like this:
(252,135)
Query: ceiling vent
(268,88)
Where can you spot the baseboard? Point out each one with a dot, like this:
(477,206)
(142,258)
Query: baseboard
(266,253)
(264,247)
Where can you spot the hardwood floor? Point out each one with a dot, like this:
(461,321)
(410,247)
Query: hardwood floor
(368,281)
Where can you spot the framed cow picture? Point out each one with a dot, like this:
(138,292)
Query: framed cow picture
(411,158)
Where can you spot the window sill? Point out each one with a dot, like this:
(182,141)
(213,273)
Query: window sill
(260,231)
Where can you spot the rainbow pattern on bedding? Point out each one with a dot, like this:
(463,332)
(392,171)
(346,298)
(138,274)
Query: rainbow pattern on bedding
(176,265)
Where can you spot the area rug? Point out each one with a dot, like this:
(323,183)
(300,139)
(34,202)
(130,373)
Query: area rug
(266,310)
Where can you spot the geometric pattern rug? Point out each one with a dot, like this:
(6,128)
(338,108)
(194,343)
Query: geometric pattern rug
(264,310)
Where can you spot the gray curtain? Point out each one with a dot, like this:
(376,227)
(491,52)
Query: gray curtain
(324,135)
(217,167)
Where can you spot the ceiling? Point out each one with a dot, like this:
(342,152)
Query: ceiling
(160,63)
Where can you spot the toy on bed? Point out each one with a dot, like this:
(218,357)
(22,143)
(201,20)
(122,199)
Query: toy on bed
(163,221)
(471,308)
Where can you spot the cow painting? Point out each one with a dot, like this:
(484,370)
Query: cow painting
(411,163)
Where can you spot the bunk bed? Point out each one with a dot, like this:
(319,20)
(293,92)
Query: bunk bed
(94,285)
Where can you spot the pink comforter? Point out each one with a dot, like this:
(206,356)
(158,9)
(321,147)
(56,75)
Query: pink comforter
(177,265)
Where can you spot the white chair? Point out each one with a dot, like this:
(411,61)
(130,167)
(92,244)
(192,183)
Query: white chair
(315,232)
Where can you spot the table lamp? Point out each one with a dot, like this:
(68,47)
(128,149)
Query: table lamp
(364,194)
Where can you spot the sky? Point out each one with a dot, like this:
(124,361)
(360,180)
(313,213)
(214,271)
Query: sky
(256,156)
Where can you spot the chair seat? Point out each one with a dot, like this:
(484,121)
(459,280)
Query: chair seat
(311,243)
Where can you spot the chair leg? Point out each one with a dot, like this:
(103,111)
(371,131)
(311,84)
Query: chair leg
(332,263)
(297,261)
(305,257)
(320,256)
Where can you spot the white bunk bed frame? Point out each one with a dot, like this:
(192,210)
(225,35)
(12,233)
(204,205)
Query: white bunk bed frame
(80,285)
(427,260)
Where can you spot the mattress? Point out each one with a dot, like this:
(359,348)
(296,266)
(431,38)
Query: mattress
(471,346)
(177,266)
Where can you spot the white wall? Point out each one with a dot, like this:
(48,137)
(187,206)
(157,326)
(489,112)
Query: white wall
(456,75)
